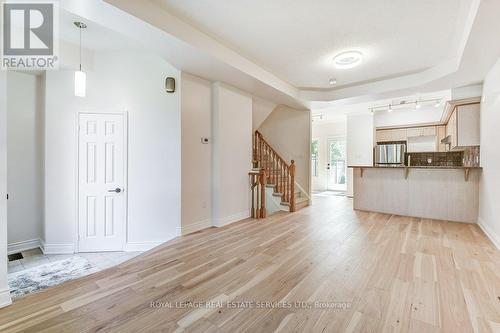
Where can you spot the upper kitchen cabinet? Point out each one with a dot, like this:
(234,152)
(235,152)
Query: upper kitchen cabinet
(421,131)
(463,128)
(391,135)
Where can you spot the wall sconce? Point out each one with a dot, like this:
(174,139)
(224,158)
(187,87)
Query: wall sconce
(170,85)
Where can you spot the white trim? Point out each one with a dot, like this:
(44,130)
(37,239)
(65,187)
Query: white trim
(141,246)
(490,233)
(58,248)
(5,299)
(220,222)
(24,246)
(193,227)
(123,113)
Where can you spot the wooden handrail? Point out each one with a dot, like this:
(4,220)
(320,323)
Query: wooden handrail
(278,172)
(261,138)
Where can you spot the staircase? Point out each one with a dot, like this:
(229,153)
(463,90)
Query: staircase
(273,181)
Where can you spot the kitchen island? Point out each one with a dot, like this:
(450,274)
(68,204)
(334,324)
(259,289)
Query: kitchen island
(436,192)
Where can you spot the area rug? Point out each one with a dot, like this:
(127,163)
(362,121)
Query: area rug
(41,277)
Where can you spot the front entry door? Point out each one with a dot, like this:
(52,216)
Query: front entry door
(336,168)
(101,182)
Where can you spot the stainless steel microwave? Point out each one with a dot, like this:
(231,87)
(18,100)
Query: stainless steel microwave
(390,153)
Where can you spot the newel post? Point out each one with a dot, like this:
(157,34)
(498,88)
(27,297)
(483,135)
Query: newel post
(262,180)
(292,186)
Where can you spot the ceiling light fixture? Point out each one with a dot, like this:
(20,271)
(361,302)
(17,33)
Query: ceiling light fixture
(80,76)
(332,82)
(349,59)
(417,105)
(390,108)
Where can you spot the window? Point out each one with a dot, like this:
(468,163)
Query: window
(314,157)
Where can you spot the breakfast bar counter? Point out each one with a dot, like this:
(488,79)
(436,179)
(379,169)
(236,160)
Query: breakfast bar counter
(436,192)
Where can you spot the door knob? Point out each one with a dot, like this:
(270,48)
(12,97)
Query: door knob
(117,190)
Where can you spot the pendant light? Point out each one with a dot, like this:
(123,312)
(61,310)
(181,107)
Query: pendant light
(80,76)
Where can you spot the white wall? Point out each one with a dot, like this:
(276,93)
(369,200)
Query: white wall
(4,287)
(489,189)
(119,81)
(424,115)
(196,157)
(261,109)
(288,131)
(25,159)
(322,132)
(232,154)
(360,141)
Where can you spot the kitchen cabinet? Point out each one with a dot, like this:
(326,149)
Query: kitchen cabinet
(384,135)
(399,135)
(464,127)
(391,135)
(413,132)
(429,131)
(421,131)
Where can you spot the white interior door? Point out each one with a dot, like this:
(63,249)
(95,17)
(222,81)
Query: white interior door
(101,178)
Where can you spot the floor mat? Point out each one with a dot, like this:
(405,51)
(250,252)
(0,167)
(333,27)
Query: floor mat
(41,277)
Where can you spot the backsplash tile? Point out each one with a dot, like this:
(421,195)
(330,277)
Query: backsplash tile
(436,159)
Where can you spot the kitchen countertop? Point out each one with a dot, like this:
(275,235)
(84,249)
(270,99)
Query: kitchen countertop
(412,167)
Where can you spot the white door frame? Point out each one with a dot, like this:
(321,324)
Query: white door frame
(77,183)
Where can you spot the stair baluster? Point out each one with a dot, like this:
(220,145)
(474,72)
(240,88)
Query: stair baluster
(276,170)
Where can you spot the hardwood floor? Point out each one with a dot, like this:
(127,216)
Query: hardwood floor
(367,271)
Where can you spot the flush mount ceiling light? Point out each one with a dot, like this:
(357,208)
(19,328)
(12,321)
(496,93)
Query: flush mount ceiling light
(349,59)
(332,82)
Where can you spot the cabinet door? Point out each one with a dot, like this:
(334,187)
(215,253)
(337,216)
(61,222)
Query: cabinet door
(468,125)
(429,131)
(413,132)
(399,135)
(384,135)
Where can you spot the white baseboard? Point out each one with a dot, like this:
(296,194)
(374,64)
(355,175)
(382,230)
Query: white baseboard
(24,246)
(193,227)
(57,248)
(220,222)
(490,233)
(141,246)
(5,298)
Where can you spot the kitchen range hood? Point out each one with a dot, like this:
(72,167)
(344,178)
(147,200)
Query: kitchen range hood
(446,140)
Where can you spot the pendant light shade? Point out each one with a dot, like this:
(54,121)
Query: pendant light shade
(80,84)
(80,76)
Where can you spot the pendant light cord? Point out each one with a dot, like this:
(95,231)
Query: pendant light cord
(80,48)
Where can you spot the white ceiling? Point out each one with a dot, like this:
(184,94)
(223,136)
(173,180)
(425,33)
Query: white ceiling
(94,37)
(296,40)
(459,43)
(401,116)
